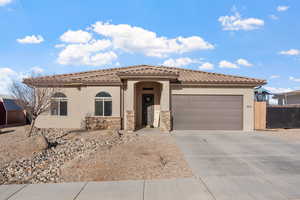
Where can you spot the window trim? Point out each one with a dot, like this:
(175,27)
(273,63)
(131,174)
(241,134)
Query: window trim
(103,99)
(59,100)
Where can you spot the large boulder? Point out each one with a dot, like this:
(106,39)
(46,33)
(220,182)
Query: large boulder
(37,143)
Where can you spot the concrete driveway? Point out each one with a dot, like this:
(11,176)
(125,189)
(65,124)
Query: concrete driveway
(239,165)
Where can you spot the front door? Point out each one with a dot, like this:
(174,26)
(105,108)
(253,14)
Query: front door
(148,110)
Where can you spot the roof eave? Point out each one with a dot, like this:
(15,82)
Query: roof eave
(71,84)
(222,84)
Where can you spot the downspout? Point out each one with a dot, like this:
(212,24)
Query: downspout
(122,105)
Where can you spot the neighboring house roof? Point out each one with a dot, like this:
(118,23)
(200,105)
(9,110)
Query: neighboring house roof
(114,76)
(295,92)
(10,105)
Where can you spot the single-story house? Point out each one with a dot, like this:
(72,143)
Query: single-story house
(149,96)
(288,98)
(10,112)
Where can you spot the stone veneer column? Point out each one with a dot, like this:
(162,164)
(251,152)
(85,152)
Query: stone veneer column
(165,113)
(165,121)
(129,106)
(130,123)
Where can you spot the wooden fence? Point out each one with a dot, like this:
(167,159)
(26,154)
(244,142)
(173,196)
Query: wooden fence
(260,115)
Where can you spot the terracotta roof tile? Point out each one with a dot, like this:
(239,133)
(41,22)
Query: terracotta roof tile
(114,75)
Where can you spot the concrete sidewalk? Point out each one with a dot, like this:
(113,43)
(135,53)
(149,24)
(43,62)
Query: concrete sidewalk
(187,189)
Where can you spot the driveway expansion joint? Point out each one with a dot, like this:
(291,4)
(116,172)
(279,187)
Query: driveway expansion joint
(144,183)
(82,188)
(16,192)
(206,187)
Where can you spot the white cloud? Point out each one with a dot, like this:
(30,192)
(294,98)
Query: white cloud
(31,39)
(236,23)
(291,52)
(7,75)
(138,40)
(274,76)
(282,8)
(227,64)
(206,66)
(87,54)
(274,17)
(36,70)
(278,90)
(76,36)
(244,62)
(101,59)
(179,62)
(59,46)
(82,47)
(118,64)
(294,79)
(5,2)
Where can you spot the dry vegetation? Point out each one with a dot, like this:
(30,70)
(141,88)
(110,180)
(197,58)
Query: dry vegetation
(149,156)
(90,156)
(14,145)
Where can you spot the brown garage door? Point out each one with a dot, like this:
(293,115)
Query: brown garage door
(207,112)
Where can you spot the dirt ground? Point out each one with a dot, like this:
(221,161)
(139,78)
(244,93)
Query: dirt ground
(287,134)
(12,144)
(146,156)
(149,156)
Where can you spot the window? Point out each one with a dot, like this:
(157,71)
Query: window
(147,88)
(103,104)
(59,104)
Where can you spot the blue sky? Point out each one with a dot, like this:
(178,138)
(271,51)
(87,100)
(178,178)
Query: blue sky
(241,37)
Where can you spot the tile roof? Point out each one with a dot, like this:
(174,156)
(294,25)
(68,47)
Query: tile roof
(149,71)
(115,75)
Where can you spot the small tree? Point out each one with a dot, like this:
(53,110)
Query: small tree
(34,101)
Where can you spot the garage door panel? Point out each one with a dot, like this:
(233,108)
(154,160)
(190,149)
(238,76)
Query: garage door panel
(207,112)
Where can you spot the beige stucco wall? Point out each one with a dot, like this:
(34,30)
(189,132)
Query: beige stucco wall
(130,93)
(247,93)
(81,102)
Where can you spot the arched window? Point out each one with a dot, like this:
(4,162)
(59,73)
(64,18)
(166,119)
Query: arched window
(103,104)
(59,104)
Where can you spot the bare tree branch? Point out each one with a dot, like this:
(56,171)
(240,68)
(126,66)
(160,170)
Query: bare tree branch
(34,101)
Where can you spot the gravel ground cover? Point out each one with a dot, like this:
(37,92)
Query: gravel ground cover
(76,155)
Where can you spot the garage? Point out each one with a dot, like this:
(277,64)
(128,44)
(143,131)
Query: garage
(207,112)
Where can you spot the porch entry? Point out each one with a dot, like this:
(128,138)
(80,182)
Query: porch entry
(147,110)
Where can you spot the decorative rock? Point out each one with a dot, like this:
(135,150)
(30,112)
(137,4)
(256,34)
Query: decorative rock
(39,143)
(103,123)
(44,167)
(165,121)
(130,120)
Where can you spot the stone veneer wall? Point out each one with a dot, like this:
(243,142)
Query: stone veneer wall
(165,121)
(103,123)
(130,123)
